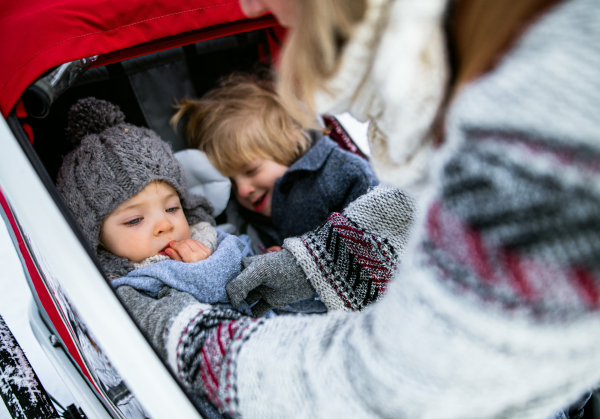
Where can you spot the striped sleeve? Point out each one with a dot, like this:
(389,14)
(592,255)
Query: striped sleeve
(353,256)
(517,224)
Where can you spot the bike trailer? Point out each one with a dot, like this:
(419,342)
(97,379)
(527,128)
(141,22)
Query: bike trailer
(142,56)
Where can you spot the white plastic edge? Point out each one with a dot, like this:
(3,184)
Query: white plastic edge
(357,131)
(99,308)
(78,387)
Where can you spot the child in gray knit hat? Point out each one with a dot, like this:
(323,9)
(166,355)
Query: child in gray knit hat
(129,196)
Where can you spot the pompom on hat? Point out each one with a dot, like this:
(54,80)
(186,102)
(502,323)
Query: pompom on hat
(113,161)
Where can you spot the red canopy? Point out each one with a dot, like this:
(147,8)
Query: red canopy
(41,34)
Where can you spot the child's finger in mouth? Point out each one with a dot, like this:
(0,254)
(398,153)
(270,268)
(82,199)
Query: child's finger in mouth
(168,247)
(172,253)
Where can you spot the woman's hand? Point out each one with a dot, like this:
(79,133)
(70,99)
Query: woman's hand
(188,251)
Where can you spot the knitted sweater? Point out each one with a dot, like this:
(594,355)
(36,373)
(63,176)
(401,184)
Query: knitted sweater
(494,310)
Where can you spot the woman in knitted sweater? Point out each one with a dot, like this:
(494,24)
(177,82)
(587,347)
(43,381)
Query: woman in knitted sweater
(481,303)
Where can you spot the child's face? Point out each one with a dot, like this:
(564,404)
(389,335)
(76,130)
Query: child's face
(253,184)
(144,225)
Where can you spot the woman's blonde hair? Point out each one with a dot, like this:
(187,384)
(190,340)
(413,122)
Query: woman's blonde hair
(313,50)
(242,120)
(482,33)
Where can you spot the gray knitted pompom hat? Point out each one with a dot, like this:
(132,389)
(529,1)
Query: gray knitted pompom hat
(113,161)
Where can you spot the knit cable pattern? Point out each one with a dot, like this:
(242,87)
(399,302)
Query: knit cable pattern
(356,264)
(351,258)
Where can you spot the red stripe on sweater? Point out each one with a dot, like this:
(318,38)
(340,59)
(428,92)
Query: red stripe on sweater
(219,329)
(363,251)
(353,238)
(478,255)
(211,392)
(501,270)
(566,154)
(337,216)
(467,247)
(587,286)
(517,275)
(207,367)
(433,224)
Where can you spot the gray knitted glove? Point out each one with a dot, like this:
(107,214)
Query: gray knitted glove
(275,277)
(155,316)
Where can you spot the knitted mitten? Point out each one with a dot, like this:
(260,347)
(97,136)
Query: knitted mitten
(275,277)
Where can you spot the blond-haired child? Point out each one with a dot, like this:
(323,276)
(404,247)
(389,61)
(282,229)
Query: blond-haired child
(286,180)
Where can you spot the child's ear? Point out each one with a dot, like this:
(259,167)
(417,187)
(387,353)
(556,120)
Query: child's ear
(197,208)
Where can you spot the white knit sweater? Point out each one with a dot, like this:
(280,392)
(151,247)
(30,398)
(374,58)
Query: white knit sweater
(494,311)
(394,74)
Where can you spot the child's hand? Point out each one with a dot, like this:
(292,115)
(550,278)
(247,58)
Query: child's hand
(188,251)
(269,250)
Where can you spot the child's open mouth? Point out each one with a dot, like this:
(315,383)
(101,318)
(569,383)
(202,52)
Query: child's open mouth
(260,203)
(162,252)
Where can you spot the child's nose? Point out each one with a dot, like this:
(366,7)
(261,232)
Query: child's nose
(163,225)
(244,188)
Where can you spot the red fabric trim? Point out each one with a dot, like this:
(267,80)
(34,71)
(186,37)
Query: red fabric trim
(184,39)
(47,33)
(20,110)
(43,292)
(208,368)
(29,131)
(21,113)
(275,45)
(262,55)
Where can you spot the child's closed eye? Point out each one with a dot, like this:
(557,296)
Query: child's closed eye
(252,170)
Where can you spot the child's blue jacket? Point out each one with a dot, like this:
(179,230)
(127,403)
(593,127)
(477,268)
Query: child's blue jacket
(324,180)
